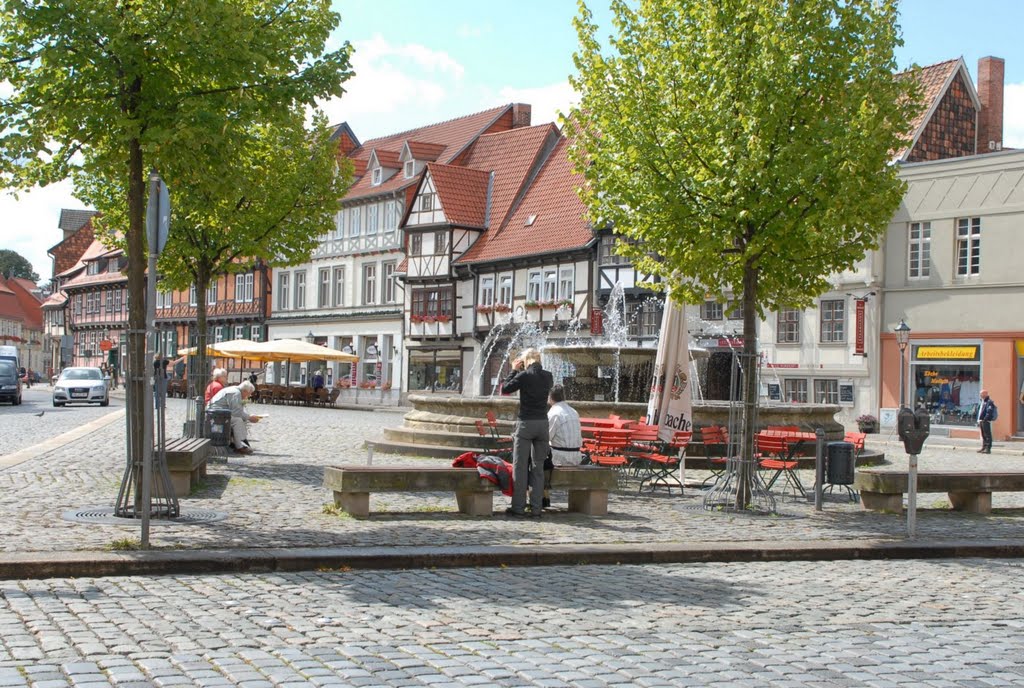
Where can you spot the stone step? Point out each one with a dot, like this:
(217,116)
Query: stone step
(415,449)
(439,437)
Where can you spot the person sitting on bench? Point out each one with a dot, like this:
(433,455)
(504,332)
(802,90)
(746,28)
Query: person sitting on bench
(231,399)
(564,436)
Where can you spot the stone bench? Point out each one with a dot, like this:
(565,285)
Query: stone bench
(883,490)
(588,486)
(186,462)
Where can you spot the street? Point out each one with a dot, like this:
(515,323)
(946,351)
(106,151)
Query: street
(926,623)
(22,426)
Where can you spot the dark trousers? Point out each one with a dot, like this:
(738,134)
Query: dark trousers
(530,440)
(986,434)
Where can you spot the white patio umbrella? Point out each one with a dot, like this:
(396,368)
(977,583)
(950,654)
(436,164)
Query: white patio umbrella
(670,406)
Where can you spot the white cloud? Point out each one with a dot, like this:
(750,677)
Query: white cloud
(30,222)
(1013,116)
(547,101)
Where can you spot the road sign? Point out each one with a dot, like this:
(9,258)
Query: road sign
(106,345)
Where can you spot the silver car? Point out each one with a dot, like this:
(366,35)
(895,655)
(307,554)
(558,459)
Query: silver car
(80,385)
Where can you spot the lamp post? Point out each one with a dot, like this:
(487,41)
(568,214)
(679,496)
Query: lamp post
(902,338)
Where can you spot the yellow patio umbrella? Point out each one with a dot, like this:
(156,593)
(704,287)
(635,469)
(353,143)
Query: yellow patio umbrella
(286,350)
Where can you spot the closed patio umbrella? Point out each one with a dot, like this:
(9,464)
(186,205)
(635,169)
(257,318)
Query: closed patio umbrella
(669,406)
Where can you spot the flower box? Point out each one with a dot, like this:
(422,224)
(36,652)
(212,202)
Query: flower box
(502,308)
(484,310)
(533,305)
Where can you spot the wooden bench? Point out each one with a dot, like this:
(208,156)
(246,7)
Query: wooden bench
(186,462)
(882,490)
(588,486)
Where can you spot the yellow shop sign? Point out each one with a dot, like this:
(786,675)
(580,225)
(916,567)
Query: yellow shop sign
(947,353)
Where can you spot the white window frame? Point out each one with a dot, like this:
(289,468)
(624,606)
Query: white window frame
(239,332)
(300,289)
(832,317)
(968,247)
(486,291)
(255,333)
(505,290)
(376,176)
(211,294)
(409,169)
(218,334)
(372,218)
(192,300)
(283,292)
(338,295)
(919,250)
(567,283)
(387,281)
(534,280)
(550,289)
(323,294)
(339,225)
(369,284)
(390,216)
(240,288)
(355,225)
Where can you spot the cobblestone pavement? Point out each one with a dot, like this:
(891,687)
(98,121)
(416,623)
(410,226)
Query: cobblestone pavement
(921,623)
(276,499)
(23,426)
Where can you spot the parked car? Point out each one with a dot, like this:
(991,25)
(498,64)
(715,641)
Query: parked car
(80,385)
(10,383)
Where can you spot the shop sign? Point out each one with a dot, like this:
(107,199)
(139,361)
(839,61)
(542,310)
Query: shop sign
(846,393)
(782,365)
(596,321)
(774,391)
(858,340)
(946,353)
(106,345)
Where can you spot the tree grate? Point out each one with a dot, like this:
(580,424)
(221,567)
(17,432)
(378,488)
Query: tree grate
(104,515)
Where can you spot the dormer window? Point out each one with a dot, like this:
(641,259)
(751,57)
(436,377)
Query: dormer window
(93,268)
(410,169)
(378,176)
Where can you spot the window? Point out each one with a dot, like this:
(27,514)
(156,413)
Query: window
(796,390)
(533,286)
(339,286)
(644,317)
(919,250)
(566,283)
(300,289)
(390,216)
(711,310)
(505,290)
(218,334)
(355,225)
(323,293)
(211,294)
(339,228)
(433,301)
(372,213)
(833,321)
(410,169)
(606,253)
(239,331)
(735,310)
(427,202)
(370,283)
(78,304)
(415,244)
(378,176)
(826,391)
(440,242)
(110,301)
(282,292)
(968,246)
(486,291)
(255,333)
(192,295)
(388,282)
(239,288)
(118,293)
(550,284)
(93,268)
(788,326)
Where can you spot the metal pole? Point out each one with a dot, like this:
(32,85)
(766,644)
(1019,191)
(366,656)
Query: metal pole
(819,467)
(147,436)
(912,497)
(903,373)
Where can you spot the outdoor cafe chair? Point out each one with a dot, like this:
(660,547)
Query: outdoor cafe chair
(775,454)
(659,464)
(713,437)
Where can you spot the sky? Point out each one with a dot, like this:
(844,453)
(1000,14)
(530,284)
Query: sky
(418,62)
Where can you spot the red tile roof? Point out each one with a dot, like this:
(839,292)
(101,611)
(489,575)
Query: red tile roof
(454,135)
(388,159)
(55,300)
(558,217)
(31,308)
(427,152)
(934,80)
(463,193)
(101,278)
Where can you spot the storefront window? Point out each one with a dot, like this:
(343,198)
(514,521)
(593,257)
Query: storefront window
(947,382)
(435,371)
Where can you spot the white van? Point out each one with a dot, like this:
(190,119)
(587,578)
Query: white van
(10,353)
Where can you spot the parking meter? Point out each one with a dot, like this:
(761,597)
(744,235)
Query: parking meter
(913,428)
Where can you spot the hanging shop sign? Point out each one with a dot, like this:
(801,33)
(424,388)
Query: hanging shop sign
(858,340)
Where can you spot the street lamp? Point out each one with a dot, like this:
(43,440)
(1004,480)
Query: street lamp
(902,338)
(311,337)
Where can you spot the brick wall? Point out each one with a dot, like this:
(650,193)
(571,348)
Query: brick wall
(990,93)
(66,253)
(951,131)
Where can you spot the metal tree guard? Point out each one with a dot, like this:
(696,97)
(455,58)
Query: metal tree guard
(741,488)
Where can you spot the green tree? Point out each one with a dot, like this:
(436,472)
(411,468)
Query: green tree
(115,88)
(746,146)
(13,264)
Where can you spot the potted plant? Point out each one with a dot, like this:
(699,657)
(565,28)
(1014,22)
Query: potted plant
(443,318)
(484,310)
(502,308)
(867,423)
(567,303)
(533,305)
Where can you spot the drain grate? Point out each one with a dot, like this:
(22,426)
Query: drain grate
(699,509)
(104,515)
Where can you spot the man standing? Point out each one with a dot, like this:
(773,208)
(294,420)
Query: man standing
(563,434)
(531,434)
(232,399)
(986,414)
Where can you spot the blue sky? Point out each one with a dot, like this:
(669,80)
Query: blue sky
(421,62)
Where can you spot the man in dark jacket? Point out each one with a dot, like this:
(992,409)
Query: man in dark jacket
(986,414)
(531,434)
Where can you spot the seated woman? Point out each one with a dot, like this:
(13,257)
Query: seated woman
(220,376)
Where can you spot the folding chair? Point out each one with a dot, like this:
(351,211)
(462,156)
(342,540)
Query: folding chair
(715,436)
(775,454)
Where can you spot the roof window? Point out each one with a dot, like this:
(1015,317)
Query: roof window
(378,176)
(530,220)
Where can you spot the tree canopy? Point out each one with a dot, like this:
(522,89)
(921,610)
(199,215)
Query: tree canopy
(13,264)
(737,136)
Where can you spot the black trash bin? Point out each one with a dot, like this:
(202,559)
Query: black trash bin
(840,465)
(219,428)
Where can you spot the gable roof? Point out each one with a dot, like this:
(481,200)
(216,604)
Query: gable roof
(935,80)
(72,220)
(421,150)
(558,215)
(463,193)
(31,308)
(454,135)
(95,250)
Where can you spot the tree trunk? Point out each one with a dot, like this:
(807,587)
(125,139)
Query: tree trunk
(135,384)
(750,390)
(201,364)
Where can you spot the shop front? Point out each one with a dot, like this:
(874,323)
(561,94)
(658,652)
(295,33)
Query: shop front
(946,380)
(435,370)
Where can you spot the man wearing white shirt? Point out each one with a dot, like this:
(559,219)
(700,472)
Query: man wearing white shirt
(233,399)
(564,436)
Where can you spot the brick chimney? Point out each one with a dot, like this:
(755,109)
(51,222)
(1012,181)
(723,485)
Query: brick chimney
(521,114)
(990,93)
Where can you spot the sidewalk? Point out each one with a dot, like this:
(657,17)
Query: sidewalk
(279,517)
